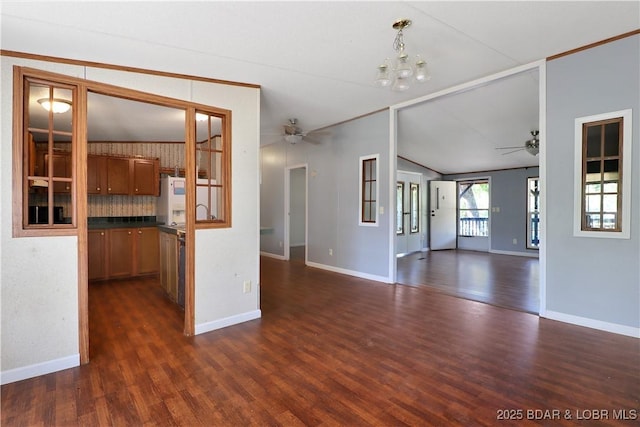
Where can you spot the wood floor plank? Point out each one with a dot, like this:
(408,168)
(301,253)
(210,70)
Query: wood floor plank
(330,350)
(503,280)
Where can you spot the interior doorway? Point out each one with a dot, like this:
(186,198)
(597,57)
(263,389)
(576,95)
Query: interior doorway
(296,209)
(409,213)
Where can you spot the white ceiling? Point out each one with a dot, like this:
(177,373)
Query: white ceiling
(316,60)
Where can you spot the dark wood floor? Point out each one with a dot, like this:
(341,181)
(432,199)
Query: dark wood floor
(330,350)
(504,280)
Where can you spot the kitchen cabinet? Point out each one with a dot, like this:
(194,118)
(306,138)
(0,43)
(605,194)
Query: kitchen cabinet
(146,250)
(169,264)
(61,163)
(122,252)
(97,243)
(146,177)
(96,174)
(123,176)
(118,176)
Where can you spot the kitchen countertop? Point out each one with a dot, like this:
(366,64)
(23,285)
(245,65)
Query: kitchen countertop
(172,229)
(102,222)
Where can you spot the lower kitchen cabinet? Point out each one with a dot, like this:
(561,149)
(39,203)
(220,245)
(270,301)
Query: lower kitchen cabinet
(147,250)
(122,252)
(97,242)
(169,264)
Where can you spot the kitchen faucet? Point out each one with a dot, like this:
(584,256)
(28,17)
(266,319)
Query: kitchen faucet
(209,216)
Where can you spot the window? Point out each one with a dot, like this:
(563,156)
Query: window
(212,170)
(369,190)
(400,208)
(48,146)
(602,157)
(473,208)
(414,210)
(533,213)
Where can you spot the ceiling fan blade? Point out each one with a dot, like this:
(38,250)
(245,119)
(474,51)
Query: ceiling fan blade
(514,151)
(510,148)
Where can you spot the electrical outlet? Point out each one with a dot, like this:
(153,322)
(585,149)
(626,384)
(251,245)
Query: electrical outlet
(515,241)
(330,252)
(246,286)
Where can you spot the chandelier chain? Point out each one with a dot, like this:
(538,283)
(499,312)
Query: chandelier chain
(398,43)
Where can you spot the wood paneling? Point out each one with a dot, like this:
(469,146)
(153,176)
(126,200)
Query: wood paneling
(329,350)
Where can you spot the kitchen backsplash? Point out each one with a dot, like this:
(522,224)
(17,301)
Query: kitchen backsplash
(170,155)
(121,205)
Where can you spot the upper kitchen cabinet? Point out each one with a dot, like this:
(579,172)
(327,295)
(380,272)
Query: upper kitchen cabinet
(123,176)
(146,177)
(96,174)
(118,176)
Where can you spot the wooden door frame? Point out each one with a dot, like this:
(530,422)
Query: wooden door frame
(80,162)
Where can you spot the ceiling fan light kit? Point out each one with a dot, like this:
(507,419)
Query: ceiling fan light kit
(292,133)
(293,139)
(404,71)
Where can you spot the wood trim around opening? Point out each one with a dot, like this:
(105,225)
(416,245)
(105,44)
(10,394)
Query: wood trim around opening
(47,58)
(592,45)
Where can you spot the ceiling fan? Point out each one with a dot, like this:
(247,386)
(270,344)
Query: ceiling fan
(292,133)
(531,146)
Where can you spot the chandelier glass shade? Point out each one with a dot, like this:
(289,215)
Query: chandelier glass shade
(404,70)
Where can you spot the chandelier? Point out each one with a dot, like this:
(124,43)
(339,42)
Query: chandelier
(404,70)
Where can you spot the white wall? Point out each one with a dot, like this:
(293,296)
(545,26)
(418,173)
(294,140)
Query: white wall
(333,186)
(39,277)
(591,281)
(39,305)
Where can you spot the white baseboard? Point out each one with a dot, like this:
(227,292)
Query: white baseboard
(43,368)
(592,323)
(350,272)
(527,254)
(227,321)
(270,255)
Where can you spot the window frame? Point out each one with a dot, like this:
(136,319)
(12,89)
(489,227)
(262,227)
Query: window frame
(472,182)
(225,162)
(624,202)
(531,211)
(79,155)
(361,196)
(21,153)
(400,208)
(414,221)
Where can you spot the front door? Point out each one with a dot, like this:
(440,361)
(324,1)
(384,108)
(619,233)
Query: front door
(442,214)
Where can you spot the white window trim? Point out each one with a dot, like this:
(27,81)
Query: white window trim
(376,157)
(626,176)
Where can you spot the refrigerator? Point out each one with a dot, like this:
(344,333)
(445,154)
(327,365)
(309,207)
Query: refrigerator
(171,205)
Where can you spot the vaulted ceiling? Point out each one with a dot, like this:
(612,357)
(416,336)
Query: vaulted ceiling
(315,61)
